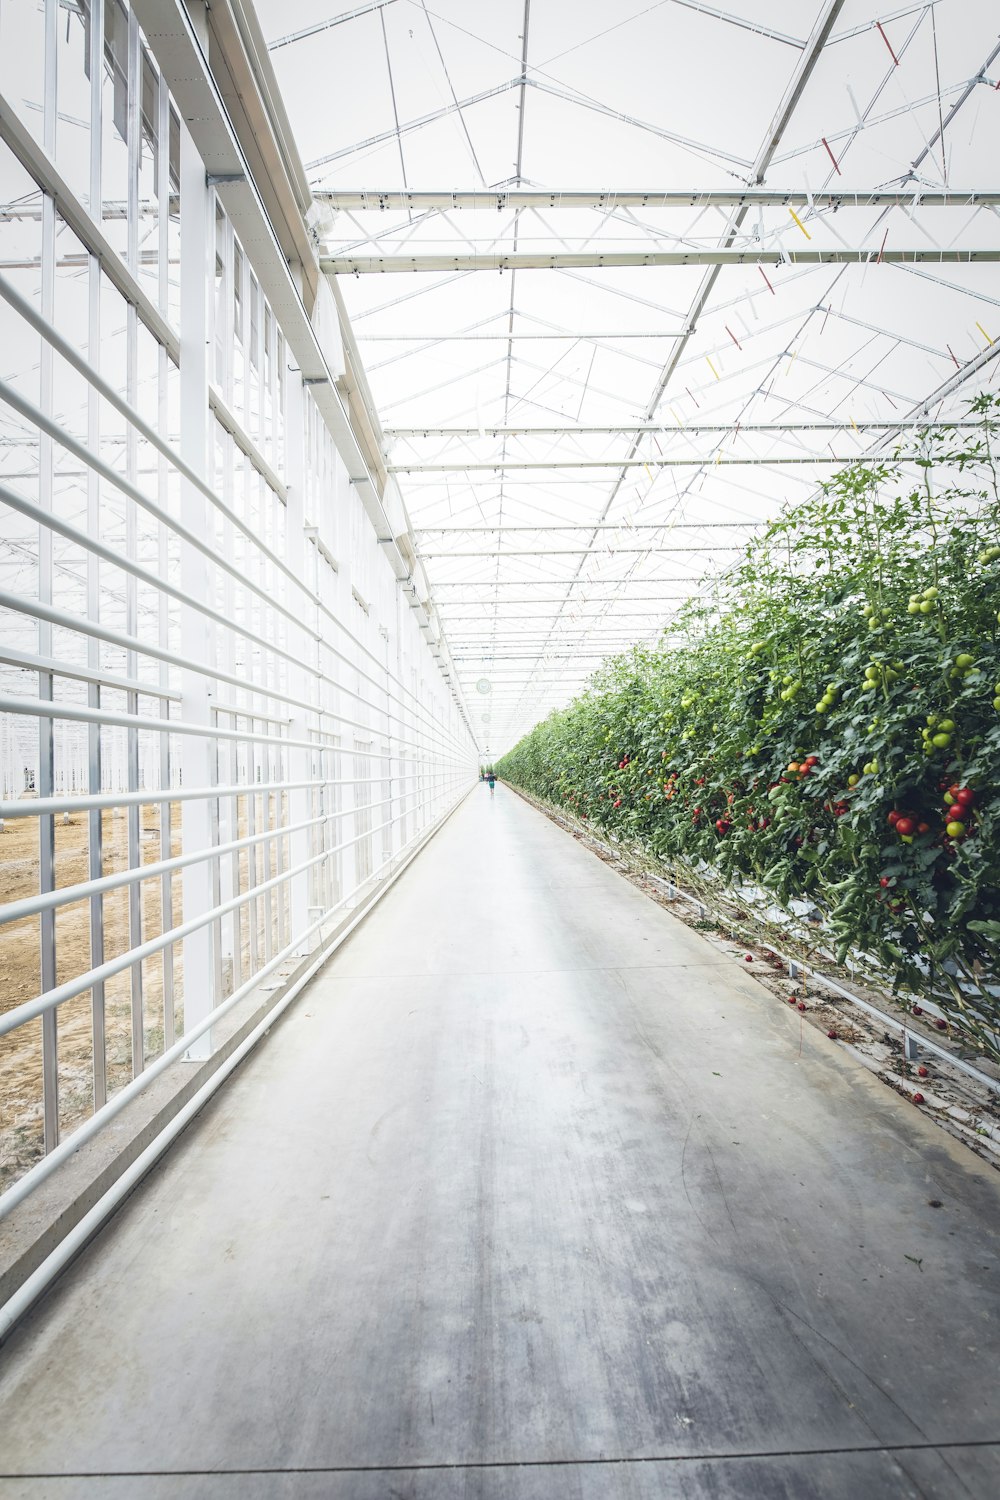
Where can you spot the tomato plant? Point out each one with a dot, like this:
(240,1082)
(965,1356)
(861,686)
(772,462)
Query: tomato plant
(830,725)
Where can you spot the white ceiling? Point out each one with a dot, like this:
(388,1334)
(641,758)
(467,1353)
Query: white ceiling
(750,380)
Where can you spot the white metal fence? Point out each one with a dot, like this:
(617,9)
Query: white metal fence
(220,720)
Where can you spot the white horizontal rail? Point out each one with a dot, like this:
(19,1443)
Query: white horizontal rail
(29,662)
(30,1010)
(73,357)
(36,610)
(50,708)
(66,895)
(108,472)
(95,801)
(47,331)
(42,1169)
(92,802)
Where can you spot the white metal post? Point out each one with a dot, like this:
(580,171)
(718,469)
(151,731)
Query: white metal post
(196,753)
(300,760)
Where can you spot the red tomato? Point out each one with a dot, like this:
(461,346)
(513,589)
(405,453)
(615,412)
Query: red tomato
(905,826)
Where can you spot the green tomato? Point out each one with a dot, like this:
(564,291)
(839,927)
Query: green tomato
(913,608)
(955,830)
(869,686)
(926,607)
(947,726)
(867,610)
(930,593)
(964,661)
(941,741)
(996,702)
(822,706)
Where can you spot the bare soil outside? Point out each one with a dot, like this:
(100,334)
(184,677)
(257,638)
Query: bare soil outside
(21,1109)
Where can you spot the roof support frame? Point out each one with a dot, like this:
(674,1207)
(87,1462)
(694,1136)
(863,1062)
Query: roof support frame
(604,200)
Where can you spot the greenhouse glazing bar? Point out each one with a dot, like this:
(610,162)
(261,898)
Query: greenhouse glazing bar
(698,461)
(694,429)
(708,255)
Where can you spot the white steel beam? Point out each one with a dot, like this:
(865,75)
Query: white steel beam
(650,548)
(708,255)
(689,429)
(604,200)
(599,599)
(483,584)
(307,31)
(669,524)
(479,338)
(706,461)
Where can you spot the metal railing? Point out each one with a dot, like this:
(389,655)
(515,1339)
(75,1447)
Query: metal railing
(226,753)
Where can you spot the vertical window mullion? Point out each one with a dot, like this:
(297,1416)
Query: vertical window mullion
(46,725)
(95,838)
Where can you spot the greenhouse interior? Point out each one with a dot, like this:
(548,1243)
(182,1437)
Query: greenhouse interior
(499,559)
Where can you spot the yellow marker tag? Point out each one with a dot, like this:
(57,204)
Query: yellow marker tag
(676,417)
(800,223)
(985,335)
(711,367)
(856,427)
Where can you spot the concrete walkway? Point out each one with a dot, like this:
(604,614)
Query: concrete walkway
(532,1195)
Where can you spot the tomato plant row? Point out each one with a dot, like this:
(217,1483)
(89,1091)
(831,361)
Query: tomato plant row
(828,724)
